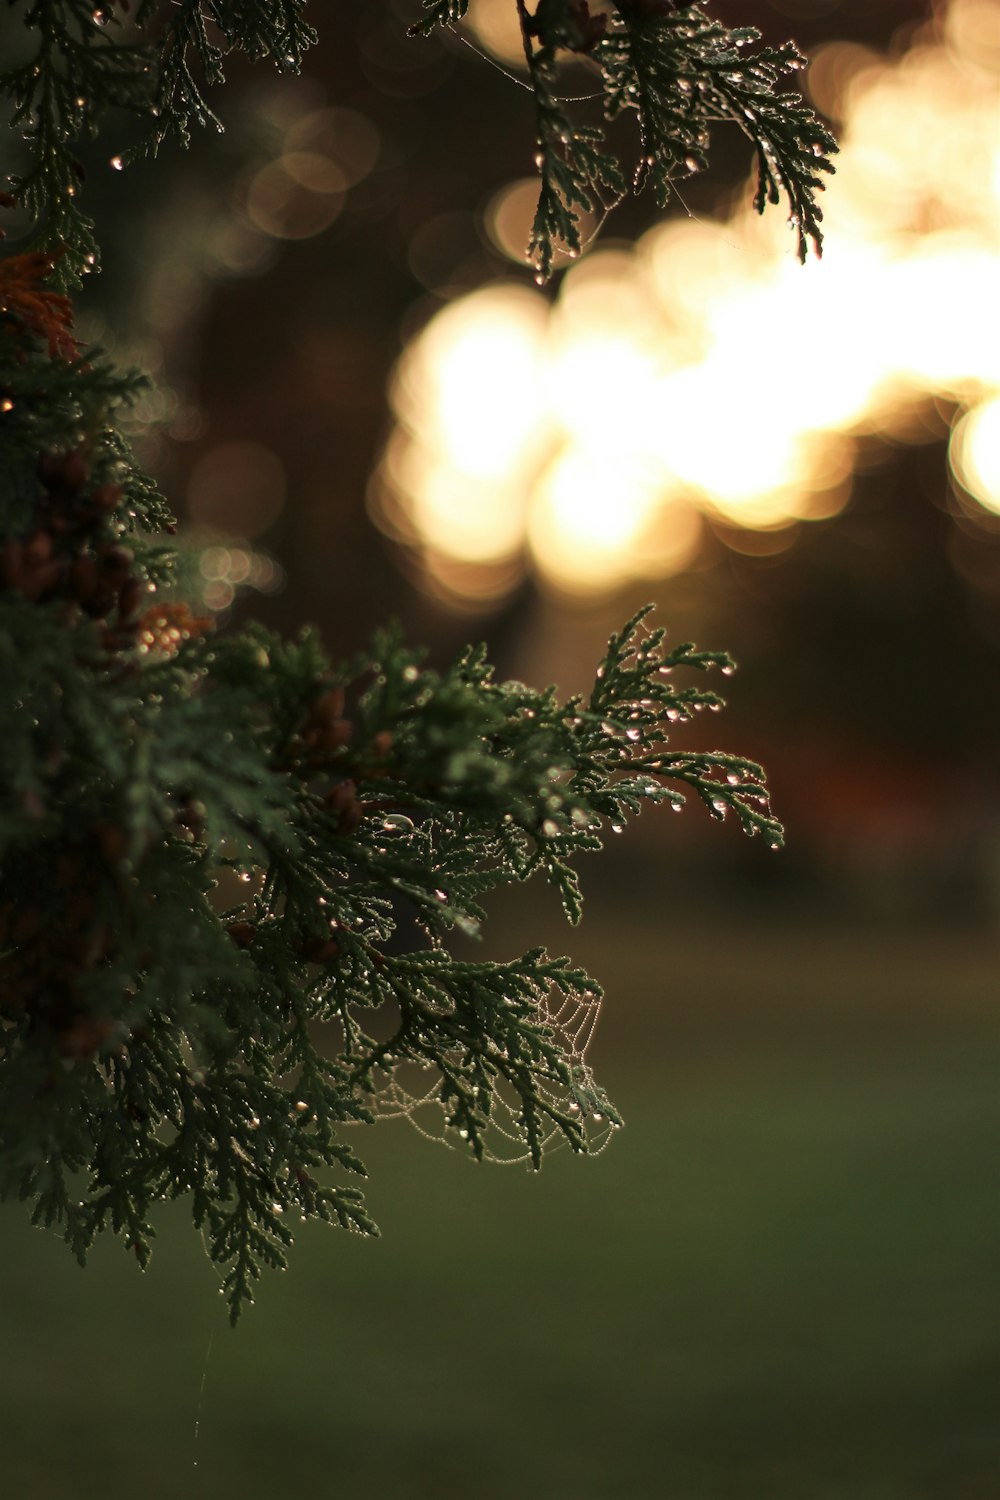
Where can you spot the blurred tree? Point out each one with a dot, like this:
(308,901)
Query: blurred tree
(229,864)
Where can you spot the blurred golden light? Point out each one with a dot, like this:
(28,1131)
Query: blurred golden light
(972,29)
(704,372)
(237,489)
(311,170)
(509,214)
(495,25)
(280,203)
(342,137)
(595,519)
(469,384)
(974,453)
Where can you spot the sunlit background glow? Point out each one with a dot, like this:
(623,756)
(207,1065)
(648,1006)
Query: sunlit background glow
(704,380)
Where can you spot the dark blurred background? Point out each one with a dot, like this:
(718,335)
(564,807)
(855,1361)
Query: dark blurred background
(780,1280)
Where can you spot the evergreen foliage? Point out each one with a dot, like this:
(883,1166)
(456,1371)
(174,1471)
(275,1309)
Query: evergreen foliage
(230,866)
(681,72)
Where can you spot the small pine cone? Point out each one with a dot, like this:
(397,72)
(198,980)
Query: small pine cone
(319,950)
(343,801)
(130,596)
(41,579)
(242,933)
(63,473)
(106,498)
(328,709)
(37,548)
(334,735)
(100,605)
(589,28)
(84,1036)
(75,472)
(83,579)
(112,840)
(115,563)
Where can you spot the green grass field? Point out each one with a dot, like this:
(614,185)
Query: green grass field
(781,1281)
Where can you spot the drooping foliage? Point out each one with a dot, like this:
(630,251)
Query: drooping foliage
(231,865)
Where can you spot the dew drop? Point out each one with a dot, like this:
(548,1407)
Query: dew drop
(733,779)
(410,674)
(728,669)
(692,163)
(633,735)
(618,828)
(397,823)
(550,828)
(117,163)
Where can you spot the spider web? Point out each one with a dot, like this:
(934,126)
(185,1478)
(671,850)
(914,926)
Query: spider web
(412,1090)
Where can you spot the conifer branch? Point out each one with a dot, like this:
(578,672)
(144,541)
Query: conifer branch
(212,842)
(83,61)
(682,73)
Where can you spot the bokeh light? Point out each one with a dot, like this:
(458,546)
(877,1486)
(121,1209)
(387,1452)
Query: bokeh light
(237,489)
(323,154)
(703,379)
(974,452)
